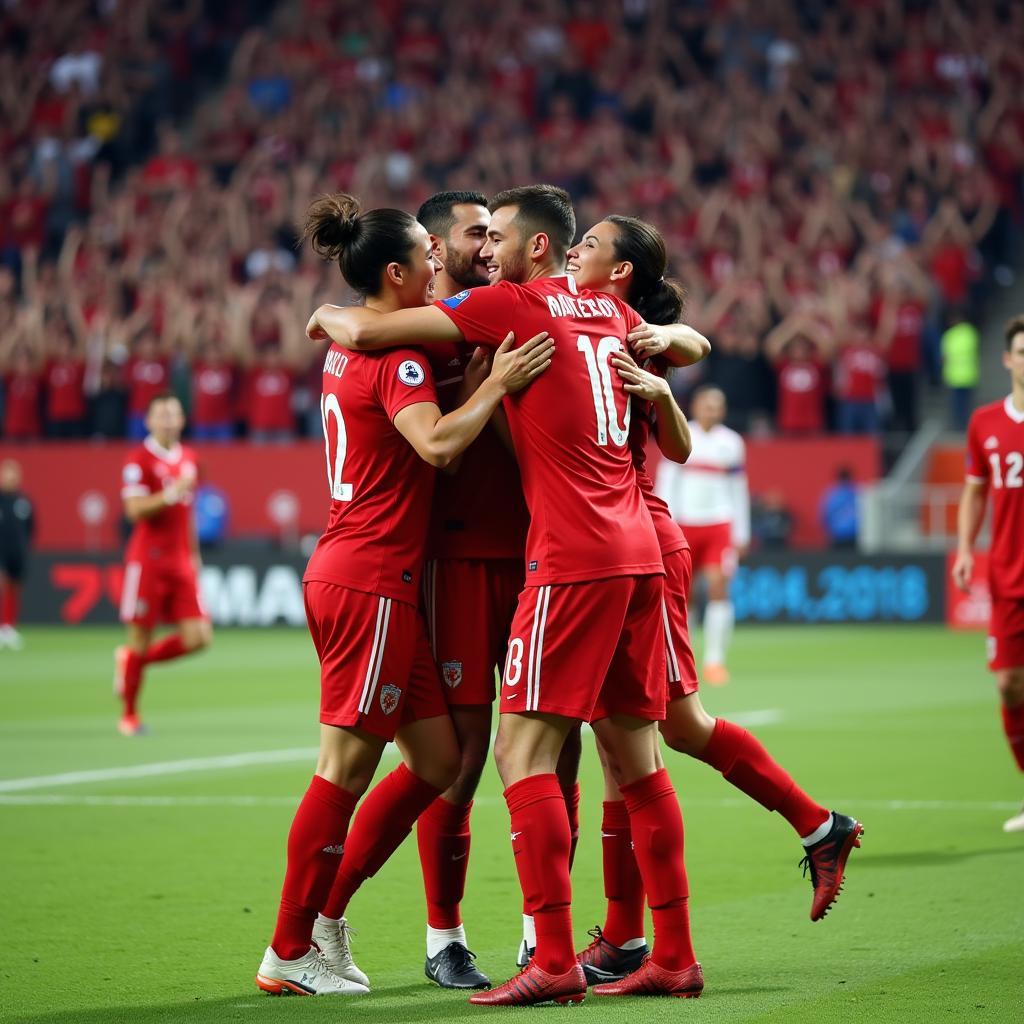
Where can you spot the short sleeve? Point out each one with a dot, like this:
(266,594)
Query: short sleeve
(133,480)
(484,315)
(403,378)
(739,455)
(977,464)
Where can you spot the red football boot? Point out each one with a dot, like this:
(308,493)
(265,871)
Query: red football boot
(532,986)
(826,860)
(652,980)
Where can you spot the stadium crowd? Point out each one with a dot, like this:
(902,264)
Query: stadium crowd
(837,182)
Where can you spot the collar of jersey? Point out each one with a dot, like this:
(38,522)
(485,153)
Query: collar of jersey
(171,456)
(1012,411)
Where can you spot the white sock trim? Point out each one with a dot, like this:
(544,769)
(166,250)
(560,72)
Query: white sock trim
(329,920)
(439,938)
(529,932)
(820,832)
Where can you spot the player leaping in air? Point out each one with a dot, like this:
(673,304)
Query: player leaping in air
(587,641)
(995,465)
(626,257)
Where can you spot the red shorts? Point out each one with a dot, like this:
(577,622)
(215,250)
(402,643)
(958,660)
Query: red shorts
(376,672)
(588,650)
(155,592)
(712,545)
(1006,633)
(469,604)
(682,671)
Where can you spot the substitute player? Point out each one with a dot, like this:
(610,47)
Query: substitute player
(472,579)
(995,465)
(161,582)
(587,641)
(708,497)
(17,525)
(384,434)
(626,257)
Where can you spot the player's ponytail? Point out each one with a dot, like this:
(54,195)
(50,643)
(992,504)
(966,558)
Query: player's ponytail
(658,299)
(362,243)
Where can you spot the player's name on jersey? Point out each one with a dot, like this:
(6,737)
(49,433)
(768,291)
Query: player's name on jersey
(335,363)
(578,307)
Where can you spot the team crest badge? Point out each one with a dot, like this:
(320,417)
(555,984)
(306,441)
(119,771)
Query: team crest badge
(411,373)
(452,672)
(390,695)
(992,442)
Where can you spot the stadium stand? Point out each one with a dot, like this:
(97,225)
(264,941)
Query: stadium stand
(837,181)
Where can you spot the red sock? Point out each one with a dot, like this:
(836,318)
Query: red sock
(572,809)
(623,886)
(11,604)
(315,842)
(656,824)
(442,834)
(744,762)
(169,647)
(540,844)
(385,818)
(1013,726)
(133,665)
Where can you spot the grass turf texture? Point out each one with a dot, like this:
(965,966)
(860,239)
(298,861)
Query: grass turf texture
(157,907)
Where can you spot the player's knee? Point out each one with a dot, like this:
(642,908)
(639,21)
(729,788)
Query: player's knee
(687,728)
(198,636)
(680,737)
(1010,683)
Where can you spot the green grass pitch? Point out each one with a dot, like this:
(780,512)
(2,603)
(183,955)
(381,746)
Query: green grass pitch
(151,897)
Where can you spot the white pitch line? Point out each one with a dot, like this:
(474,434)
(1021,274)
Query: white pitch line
(225,761)
(82,800)
(158,768)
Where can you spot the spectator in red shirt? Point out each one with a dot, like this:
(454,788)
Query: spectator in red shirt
(64,376)
(147,374)
(214,374)
(901,322)
(859,371)
(22,395)
(796,349)
(267,398)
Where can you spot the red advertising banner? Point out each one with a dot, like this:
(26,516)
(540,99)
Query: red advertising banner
(970,610)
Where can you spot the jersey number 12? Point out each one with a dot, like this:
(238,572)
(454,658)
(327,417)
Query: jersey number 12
(601,385)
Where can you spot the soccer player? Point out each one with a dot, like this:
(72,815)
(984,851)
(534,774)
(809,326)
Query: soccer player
(472,579)
(17,524)
(587,640)
(161,582)
(995,465)
(384,434)
(708,497)
(626,257)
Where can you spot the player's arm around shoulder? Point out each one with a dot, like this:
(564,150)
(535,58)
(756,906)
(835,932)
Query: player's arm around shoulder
(672,429)
(677,344)
(361,329)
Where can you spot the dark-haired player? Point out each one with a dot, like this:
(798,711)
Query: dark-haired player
(17,525)
(472,578)
(161,584)
(591,609)
(995,465)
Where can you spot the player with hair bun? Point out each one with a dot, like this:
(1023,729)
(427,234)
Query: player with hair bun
(384,437)
(626,257)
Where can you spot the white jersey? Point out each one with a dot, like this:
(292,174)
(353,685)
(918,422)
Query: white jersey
(711,487)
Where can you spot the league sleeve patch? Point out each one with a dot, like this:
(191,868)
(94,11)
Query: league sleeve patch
(411,373)
(132,473)
(457,300)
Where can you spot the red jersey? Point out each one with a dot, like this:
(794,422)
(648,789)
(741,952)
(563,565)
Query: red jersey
(21,406)
(167,536)
(212,387)
(995,457)
(859,369)
(570,429)
(801,386)
(380,488)
(478,511)
(905,350)
(642,425)
(268,399)
(146,379)
(65,390)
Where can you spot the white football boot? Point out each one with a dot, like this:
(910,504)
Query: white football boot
(1016,823)
(307,976)
(333,939)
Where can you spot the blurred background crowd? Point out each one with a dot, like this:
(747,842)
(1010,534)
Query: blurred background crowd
(840,185)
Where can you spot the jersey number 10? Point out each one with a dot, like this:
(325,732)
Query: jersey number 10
(331,407)
(603,389)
